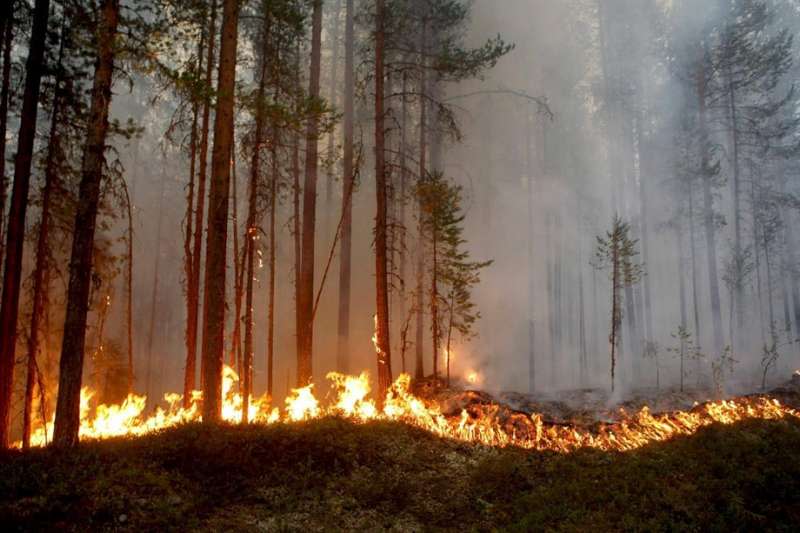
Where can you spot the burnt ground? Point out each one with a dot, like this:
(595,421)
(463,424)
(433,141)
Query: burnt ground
(333,475)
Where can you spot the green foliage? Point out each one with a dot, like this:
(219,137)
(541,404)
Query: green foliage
(334,475)
(685,350)
(442,224)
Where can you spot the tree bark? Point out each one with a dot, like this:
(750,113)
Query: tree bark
(252,231)
(5,98)
(67,420)
(305,327)
(216,241)
(9,308)
(419,368)
(40,277)
(383,346)
(194,286)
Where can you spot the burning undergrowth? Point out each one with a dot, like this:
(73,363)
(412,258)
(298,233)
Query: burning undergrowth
(467,416)
(331,474)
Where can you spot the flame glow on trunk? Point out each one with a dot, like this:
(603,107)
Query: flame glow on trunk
(352,402)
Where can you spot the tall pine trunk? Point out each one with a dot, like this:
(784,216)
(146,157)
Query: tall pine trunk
(216,241)
(252,229)
(6,33)
(333,93)
(708,211)
(305,327)
(9,309)
(40,271)
(193,318)
(188,239)
(151,332)
(67,420)
(383,346)
(348,181)
(419,368)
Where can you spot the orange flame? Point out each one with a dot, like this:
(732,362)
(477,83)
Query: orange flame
(482,424)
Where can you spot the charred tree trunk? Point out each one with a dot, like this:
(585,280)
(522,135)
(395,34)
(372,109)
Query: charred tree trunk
(216,240)
(348,182)
(193,318)
(9,308)
(305,328)
(382,346)
(67,420)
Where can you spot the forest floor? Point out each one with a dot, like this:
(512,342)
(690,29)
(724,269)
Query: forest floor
(331,474)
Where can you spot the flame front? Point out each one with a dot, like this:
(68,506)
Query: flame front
(481,424)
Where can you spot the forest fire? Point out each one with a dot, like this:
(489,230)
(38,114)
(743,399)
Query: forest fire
(480,424)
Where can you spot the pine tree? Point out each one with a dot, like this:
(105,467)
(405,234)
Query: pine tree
(616,252)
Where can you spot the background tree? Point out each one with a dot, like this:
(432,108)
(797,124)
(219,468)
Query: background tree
(616,252)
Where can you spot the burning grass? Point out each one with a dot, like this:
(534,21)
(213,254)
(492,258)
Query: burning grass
(332,474)
(482,422)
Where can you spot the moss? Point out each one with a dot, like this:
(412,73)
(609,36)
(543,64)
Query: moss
(333,475)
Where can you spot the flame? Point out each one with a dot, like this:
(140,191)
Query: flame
(473,377)
(480,423)
(301,404)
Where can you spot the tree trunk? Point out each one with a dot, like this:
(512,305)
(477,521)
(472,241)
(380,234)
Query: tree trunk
(216,240)
(5,98)
(531,250)
(193,318)
(305,327)
(40,275)
(614,315)
(738,293)
(348,182)
(67,420)
(154,296)
(239,260)
(419,371)
(435,303)
(708,215)
(188,251)
(129,288)
(252,230)
(273,207)
(333,91)
(383,345)
(9,308)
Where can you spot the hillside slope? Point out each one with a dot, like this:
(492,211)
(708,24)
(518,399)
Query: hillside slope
(333,475)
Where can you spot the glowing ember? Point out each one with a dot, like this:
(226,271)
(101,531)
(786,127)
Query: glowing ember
(473,377)
(482,424)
